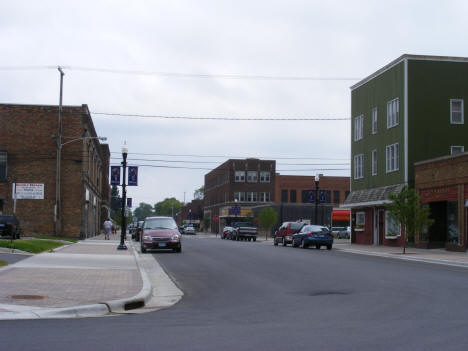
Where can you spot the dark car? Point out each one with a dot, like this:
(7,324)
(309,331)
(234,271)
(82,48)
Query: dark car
(160,233)
(9,226)
(315,235)
(137,231)
(286,231)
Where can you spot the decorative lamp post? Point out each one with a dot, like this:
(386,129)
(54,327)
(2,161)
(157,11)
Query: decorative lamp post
(317,179)
(124,199)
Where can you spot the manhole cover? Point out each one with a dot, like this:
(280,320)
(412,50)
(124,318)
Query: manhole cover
(27,297)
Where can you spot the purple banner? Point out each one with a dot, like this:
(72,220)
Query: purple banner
(115,175)
(132,176)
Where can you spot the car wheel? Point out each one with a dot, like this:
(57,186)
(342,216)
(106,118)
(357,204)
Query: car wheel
(293,243)
(275,242)
(303,244)
(329,247)
(254,239)
(237,238)
(317,247)
(178,249)
(143,250)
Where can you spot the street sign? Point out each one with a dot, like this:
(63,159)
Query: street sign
(115,175)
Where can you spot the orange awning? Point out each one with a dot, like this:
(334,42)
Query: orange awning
(340,215)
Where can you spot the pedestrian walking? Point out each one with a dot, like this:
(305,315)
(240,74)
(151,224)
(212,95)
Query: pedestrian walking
(107,229)
(114,229)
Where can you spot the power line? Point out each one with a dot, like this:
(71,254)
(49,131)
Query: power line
(222,118)
(233,157)
(179,74)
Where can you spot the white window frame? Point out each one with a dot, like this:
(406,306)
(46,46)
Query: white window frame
(264,177)
(374,120)
(455,147)
(374,162)
(239,176)
(239,196)
(393,113)
(388,223)
(251,196)
(252,176)
(359,166)
(360,221)
(392,153)
(358,127)
(452,101)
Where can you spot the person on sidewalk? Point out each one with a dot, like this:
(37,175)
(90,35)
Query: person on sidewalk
(107,229)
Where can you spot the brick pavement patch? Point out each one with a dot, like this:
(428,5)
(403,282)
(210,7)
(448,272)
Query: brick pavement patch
(65,287)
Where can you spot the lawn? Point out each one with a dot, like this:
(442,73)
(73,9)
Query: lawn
(3,263)
(33,246)
(55,238)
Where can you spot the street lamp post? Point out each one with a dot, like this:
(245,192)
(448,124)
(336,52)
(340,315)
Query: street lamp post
(317,179)
(122,245)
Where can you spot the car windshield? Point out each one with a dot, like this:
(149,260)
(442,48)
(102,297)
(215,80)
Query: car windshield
(296,225)
(160,223)
(242,224)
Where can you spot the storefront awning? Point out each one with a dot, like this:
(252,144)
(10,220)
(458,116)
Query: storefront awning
(340,215)
(371,197)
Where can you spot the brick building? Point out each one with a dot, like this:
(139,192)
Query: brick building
(443,184)
(191,213)
(233,188)
(28,155)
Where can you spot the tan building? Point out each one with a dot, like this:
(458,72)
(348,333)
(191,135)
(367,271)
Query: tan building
(28,163)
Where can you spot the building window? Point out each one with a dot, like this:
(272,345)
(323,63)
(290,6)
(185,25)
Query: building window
(374,162)
(358,166)
(264,177)
(284,195)
(239,196)
(292,195)
(374,120)
(3,165)
(252,197)
(239,176)
(456,111)
(393,158)
(347,192)
(336,196)
(264,197)
(360,221)
(358,127)
(252,176)
(456,150)
(392,227)
(393,113)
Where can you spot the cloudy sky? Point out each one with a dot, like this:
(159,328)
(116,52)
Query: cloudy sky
(218,59)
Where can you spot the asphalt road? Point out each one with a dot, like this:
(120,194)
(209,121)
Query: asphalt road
(12,258)
(254,296)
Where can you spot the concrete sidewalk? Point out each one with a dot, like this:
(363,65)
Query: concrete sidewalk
(89,278)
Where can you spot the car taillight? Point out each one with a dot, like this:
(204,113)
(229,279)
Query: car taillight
(331,234)
(310,234)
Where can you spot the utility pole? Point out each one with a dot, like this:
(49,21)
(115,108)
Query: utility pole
(58,214)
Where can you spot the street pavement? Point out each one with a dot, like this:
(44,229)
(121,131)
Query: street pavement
(93,278)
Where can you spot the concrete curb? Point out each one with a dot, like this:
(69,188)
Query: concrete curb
(405,258)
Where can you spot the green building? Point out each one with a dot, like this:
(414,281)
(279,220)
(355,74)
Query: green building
(409,111)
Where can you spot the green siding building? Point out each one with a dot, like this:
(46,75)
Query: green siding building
(409,111)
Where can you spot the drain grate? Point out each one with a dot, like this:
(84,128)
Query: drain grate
(27,297)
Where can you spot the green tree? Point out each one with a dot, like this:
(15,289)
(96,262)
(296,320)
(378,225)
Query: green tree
(199,194)
(406,208)
(267,218)
(168,207)
(142,211)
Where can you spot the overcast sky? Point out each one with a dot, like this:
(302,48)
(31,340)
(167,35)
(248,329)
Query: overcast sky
(242,39)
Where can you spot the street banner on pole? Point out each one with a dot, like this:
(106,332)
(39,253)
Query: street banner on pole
(115,175)
(129,202)
(132,176)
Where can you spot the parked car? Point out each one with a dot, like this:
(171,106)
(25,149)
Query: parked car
(9,226)
(227,231)
(160,233)
(340,232)
(316,235)
(137,231)
(189,230)
(286,231)
(243,231)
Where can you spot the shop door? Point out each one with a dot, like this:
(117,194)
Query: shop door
(381,226)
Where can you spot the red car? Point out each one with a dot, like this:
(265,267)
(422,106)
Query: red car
(286,231)
(160,233)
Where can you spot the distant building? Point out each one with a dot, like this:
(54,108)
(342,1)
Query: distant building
(28,159)
(233,188)
(409,111)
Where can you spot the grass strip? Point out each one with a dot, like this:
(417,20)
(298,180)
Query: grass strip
(33,246)
(55,238)
(3,263)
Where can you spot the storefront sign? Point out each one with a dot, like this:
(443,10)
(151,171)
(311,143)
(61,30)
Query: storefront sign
(32,191)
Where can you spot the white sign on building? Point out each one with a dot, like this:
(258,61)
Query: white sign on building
(34,191)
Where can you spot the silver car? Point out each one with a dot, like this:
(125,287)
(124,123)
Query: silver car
(189,229)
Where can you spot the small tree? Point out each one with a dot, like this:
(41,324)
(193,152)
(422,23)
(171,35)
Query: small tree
(406,208)
(267,218)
